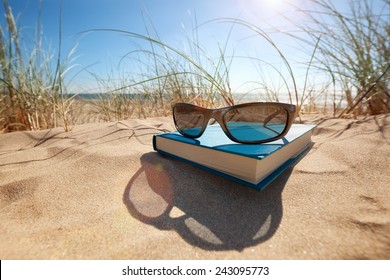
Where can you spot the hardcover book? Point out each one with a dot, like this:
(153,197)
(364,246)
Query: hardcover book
(254,165)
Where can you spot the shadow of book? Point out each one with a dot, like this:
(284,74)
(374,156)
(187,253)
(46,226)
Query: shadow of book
(206,210)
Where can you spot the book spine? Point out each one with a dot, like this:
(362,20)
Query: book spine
(154,143)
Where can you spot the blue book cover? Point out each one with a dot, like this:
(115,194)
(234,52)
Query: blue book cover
(254,165)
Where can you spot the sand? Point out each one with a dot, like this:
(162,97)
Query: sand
(101,192)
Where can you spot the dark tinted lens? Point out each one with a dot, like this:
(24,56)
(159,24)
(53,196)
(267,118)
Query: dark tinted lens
(256,123)
(189,119)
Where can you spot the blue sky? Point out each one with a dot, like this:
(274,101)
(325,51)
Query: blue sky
(173,20)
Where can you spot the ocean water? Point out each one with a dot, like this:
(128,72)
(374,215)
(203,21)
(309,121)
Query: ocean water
(337,100)
(239,97)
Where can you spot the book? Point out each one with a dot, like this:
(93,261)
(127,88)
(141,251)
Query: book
(254,165)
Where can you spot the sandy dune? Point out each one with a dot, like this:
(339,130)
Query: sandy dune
(101,192)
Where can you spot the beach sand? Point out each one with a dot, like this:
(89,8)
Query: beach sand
(101,192)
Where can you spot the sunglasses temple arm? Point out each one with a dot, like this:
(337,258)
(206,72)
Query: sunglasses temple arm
(270,117)
(277,132)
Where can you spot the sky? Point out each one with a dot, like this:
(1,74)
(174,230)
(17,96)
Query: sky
(173,21)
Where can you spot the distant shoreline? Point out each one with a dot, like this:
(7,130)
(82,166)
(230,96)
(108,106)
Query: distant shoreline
(237,96)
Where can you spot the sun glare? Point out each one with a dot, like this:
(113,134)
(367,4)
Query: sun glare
(274,4)
(269,7)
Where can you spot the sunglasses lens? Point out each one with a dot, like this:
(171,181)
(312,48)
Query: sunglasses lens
(189,120)
(257,122)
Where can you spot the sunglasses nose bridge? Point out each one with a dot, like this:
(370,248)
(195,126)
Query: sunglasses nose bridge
(217,115)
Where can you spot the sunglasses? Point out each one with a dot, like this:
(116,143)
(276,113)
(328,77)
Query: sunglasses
(248,123)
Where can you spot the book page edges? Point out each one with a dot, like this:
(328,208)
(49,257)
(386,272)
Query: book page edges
(233,164)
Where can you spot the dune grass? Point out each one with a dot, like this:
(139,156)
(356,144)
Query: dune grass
(32,93)
(352,50)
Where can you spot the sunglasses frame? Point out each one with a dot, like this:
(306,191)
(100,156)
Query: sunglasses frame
(218,115)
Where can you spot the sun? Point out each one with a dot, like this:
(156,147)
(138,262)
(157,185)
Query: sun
(265,6)
(274,4)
